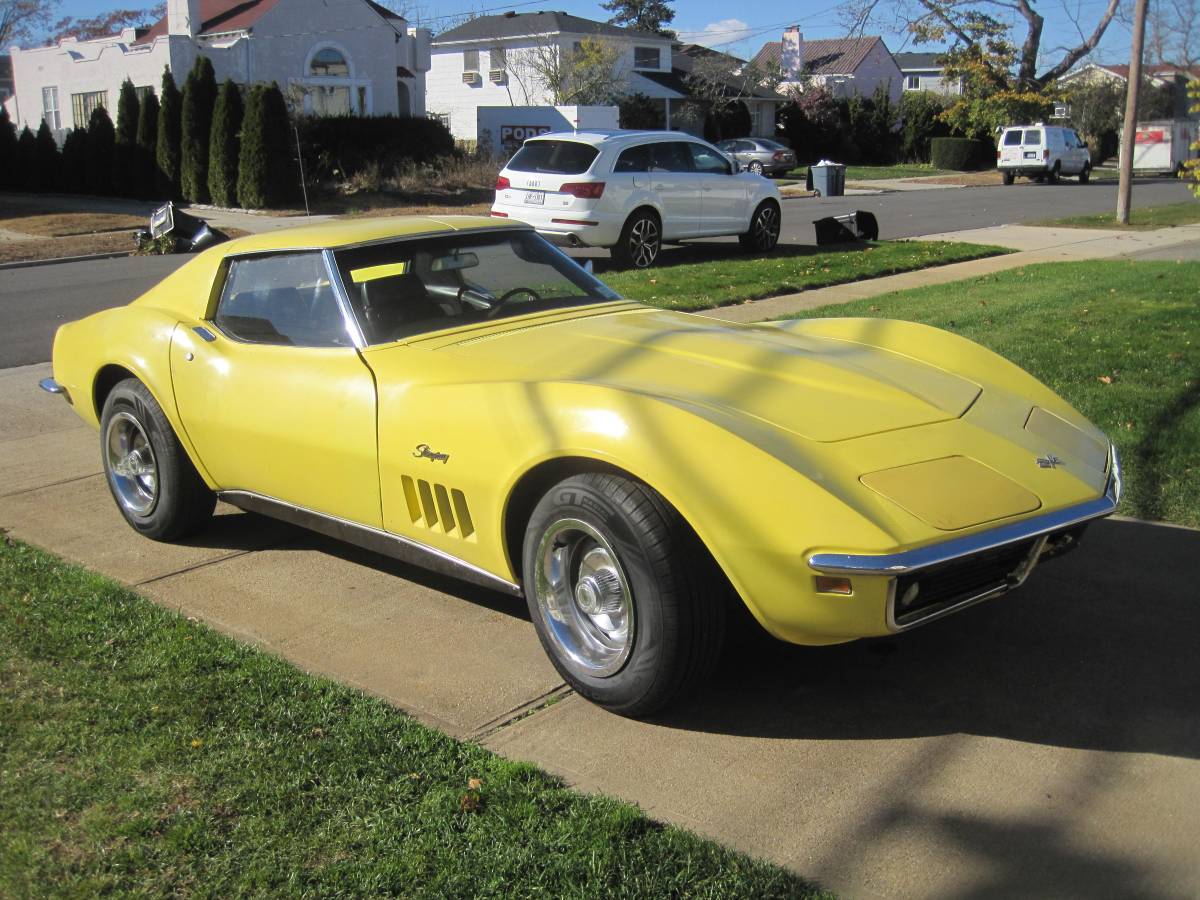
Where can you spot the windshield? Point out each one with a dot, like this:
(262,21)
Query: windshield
(409,287)
(553,157)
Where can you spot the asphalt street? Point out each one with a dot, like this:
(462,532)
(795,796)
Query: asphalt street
(34,301)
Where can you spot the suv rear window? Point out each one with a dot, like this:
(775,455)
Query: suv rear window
(554,157)
(1012,138)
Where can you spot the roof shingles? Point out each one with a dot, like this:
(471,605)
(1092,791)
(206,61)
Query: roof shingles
(839,56)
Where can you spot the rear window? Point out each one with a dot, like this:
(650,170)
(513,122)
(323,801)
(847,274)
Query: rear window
(1012,139)
(771,145)
(1033,136)
(553,157)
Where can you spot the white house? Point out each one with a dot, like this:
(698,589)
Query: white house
(925,72)
(487,62)
(844,66)
(330,56)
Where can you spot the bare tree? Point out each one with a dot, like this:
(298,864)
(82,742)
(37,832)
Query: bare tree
(24,20)
(587,74)
(719,81)
(105,24)
(1174,33)
(959,22)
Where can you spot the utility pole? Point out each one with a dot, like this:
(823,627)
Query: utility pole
(1125,185)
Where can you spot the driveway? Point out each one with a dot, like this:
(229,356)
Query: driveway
(1047,743)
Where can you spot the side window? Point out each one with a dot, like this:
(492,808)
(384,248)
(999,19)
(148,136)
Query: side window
(708,161)
(745,147)
(1033,136)
(634,159)
(670,156)
(281,299)
(1012,139)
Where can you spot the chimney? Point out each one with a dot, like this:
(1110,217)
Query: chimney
(792,57)
(183,17)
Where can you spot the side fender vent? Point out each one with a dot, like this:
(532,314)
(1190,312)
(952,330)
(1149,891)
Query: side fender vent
(438,508)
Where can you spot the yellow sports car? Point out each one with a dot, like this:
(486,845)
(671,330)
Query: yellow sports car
(458,393)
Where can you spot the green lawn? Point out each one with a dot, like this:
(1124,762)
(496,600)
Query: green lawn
(1140,218)
(1119,340)
(900,170)
(144,754)
(736,277)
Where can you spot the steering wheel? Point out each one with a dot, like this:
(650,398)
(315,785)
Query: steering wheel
(509,295)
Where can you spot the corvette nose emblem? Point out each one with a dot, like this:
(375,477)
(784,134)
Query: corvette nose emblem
(1049,461)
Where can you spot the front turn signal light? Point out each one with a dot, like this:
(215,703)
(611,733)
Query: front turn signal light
(830,584)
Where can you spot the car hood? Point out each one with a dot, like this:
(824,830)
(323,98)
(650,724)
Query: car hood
(821,389)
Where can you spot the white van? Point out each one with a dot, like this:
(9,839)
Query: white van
(1043,152)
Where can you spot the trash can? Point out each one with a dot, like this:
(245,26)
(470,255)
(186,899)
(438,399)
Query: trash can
(828,178)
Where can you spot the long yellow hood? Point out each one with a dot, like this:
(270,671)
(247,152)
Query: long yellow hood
(820,389)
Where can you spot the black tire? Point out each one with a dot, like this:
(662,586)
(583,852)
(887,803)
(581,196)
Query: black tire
(1052,177)
(640,242)
(669,593)
(152,480)
(1009,177)
(755,166)
(1085,174)
(763,235)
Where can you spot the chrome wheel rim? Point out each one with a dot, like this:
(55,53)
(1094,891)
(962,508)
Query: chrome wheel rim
(132,466)
(756,167)
(584,599)
(643,242)
(766,228)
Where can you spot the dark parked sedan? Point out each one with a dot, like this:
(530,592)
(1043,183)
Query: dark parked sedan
(759,155)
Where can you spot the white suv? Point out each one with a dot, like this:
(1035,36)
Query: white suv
(633,190)
(1043,152)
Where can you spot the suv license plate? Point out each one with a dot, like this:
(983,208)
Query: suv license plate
(1031,154)
(537,198)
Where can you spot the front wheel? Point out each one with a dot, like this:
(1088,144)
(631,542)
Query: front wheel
(626,600)
(640,241)
(156,487)
(763,233)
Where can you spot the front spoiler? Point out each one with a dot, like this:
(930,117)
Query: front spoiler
(935,554)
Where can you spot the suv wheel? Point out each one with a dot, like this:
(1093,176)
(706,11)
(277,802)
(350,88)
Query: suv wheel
(1009,177)
(1085,174)
(640,241)
(1052,175)
(764,229)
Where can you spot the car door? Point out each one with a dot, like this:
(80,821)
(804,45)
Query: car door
(273,393)
(677,188)
(725,197)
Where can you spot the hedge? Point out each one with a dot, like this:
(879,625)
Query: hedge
(101,143)
(8,150)
(125,168)
(166,152)
(147,140)
(960,154)
(45,175)
(199,97)
(223,145)
(337,147)
(267,175)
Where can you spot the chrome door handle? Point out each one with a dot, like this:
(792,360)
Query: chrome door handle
(204,333)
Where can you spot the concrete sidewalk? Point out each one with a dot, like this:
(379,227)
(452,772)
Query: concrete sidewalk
(1032,244)
(1045,744)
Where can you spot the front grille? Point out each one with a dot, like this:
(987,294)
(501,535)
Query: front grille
(959,580)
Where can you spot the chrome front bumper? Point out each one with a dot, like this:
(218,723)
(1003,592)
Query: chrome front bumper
(1038,529)
(50,386)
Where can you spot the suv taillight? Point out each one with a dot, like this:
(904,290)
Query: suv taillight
(502,183)
(584,190)
(1046,153)
(997,154)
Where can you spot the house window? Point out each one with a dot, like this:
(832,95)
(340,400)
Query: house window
(83,105)
(50,108)
(645,58)
(498,59)
(914,82)
(470,60)
(143,93)
(329,63)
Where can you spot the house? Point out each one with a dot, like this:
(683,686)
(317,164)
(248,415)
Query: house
(844,66)
(495,61)
(1158,74)
(329,56)
(923,72)
(725,73)
(6,79)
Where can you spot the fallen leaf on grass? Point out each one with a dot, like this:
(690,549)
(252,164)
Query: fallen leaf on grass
(1106,379)
(470,802)
(474,784)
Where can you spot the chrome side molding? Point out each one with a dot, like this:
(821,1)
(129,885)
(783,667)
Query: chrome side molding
(935,554)
(369,538)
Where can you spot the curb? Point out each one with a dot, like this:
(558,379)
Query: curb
(27,263)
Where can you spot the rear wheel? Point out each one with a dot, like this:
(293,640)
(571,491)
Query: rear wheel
(1085,174)
(157,489)
(756,167)
(763,234)
(1053,175)
(640,241)
(1009,177)
(627,602)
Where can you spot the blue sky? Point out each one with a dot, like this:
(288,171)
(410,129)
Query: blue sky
(739,29)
